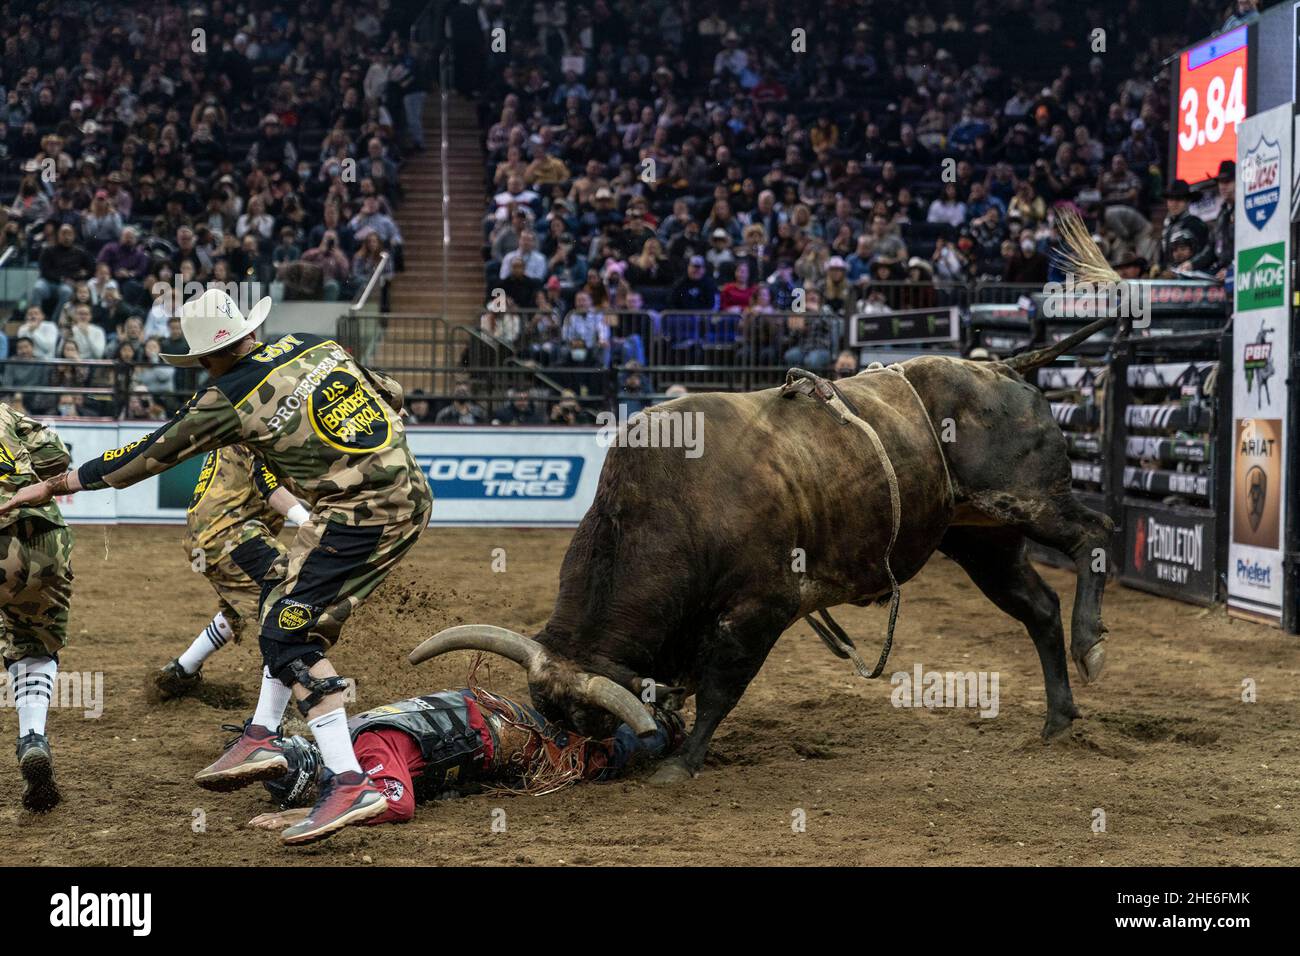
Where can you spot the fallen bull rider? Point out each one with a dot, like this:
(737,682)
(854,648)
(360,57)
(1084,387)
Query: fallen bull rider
(456,742)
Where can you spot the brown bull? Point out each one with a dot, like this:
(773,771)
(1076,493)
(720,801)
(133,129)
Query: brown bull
(687,570)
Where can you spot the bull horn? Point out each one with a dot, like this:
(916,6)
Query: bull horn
(619,701)
(527,653)
(511,645)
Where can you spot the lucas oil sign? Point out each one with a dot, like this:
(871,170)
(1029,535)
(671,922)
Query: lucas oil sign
(1262,180)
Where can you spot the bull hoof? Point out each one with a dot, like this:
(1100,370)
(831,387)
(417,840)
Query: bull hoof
(671,772)
(1092,662)
(1056,725)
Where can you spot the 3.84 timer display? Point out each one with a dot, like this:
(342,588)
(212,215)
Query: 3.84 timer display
(1211,102)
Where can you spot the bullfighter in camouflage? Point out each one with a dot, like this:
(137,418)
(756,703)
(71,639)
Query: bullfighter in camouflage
(333,431)
(232,524)
(35,591)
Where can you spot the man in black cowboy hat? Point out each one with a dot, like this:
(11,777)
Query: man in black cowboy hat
(1223,232)
(1179,219)
(1132,266)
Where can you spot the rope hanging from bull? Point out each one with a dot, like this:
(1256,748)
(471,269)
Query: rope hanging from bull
(800,381)
(1079,256)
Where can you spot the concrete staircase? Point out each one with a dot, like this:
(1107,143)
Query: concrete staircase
(417,293)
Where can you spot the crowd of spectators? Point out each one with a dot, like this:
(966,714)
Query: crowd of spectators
(144,148)
(650,161)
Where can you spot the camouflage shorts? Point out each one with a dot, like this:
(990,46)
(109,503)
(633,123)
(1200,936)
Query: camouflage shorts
(238,575)
(330,570)
(35,588)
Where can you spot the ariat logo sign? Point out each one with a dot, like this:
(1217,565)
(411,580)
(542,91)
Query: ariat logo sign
(346,416)
(206,472)
(293,616)
(269,478)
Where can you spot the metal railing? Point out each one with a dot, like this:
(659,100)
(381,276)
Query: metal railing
(105,385)
(444,84)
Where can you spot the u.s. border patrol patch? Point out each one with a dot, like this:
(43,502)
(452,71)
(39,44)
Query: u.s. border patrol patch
(206,473)
(346,416)
(293,616)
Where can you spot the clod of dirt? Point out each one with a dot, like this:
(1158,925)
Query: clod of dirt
(1149,728)
(813,752)
(1238,824)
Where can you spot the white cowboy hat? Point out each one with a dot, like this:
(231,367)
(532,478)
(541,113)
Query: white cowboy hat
(213,322)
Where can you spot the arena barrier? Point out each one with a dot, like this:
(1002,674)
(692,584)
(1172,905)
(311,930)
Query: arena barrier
(521,477)
(1145,417)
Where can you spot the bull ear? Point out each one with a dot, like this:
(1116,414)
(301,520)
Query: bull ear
(662,695)
(670,698)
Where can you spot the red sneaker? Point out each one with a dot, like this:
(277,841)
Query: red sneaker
(345,799)
(256,754)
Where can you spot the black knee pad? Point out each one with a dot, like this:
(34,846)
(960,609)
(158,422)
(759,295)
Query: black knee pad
(318,688)
(278,655)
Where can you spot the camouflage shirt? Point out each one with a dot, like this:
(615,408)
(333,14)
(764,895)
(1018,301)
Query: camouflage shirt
(29,452)
(326,425)
(231,501)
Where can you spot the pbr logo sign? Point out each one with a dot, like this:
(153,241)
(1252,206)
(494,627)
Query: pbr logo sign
(1262,181)
(1257,362)
(1261,277)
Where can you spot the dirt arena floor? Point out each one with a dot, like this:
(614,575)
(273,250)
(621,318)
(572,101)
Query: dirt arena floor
(1184,771)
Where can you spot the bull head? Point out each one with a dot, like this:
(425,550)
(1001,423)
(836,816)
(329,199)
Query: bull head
(557,686)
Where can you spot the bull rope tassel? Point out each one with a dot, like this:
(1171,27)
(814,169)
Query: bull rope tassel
(800,381)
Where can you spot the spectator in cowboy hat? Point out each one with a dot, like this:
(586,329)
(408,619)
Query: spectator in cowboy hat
(719,253)
(1223,233)
(1132,266)
(1180,220)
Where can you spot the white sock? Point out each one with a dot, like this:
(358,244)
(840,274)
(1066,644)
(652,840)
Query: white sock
(271,701)
(334,741)
(212,639)
(33,685)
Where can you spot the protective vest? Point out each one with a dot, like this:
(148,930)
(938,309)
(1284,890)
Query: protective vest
(453,750)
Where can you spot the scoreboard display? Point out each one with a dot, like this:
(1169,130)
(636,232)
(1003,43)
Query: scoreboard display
(1212,99)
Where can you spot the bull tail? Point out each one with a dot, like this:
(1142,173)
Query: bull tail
(1081,258)
(1028,361)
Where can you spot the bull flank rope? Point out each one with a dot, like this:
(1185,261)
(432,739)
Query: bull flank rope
(802,382)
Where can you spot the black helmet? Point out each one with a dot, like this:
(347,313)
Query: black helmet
(296,788)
